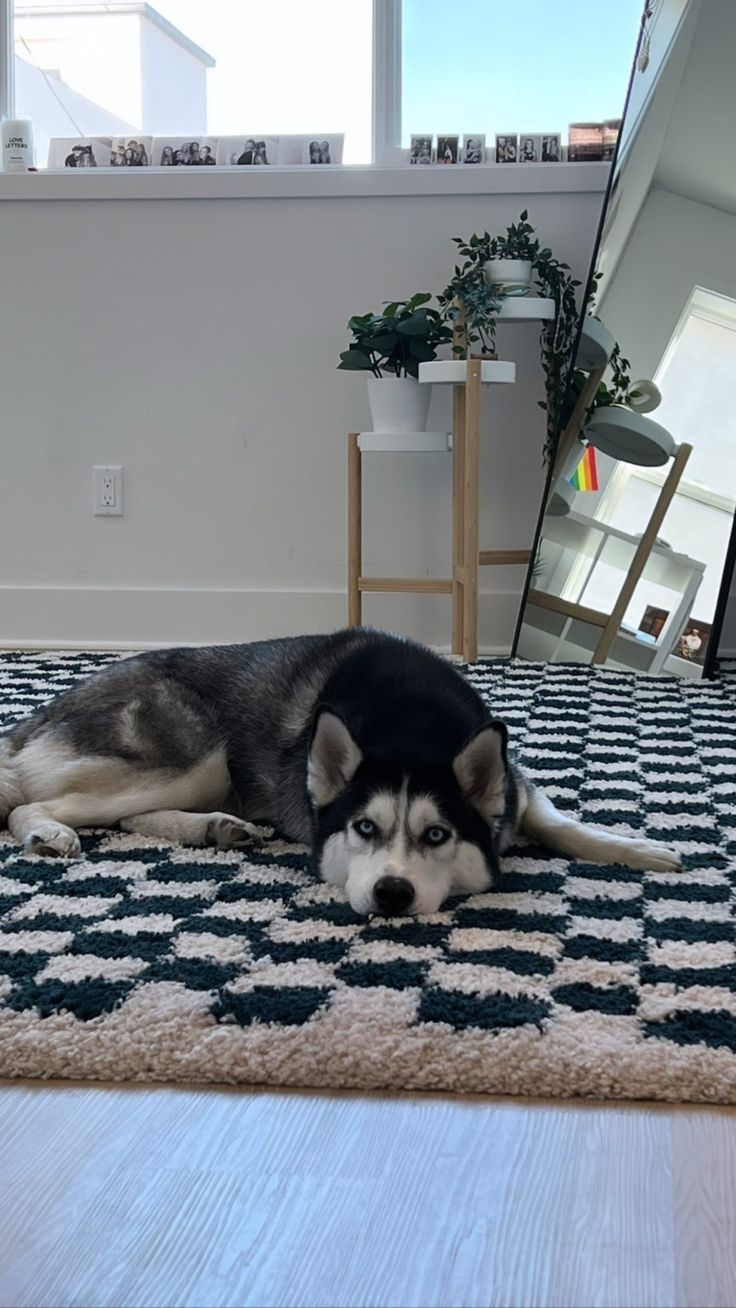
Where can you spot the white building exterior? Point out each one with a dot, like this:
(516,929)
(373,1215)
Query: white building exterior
(96,69)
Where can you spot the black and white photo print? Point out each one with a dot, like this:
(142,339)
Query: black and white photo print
(80,152)
(506,148)
(474,149)
(248,151)
(552,147)
(131,151)
(448,149)
(184,151)
(323,149)
(530,149)
(421,150)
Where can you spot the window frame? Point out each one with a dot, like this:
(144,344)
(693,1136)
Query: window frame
(382,176)
(385,80)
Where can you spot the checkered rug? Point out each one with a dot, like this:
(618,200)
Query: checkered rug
(146,962)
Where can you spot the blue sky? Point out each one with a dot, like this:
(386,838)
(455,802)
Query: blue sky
(515,65)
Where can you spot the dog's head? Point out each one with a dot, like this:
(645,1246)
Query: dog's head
(401,836)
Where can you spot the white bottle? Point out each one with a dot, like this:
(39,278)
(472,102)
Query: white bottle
(16,138)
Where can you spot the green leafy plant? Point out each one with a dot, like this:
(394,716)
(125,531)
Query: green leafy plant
(617,390)
(396,341)
(471,305)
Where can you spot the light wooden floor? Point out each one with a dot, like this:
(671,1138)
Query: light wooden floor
(155,1196)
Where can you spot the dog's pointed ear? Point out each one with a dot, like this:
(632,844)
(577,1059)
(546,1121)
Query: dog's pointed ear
(334,758)
(480,768)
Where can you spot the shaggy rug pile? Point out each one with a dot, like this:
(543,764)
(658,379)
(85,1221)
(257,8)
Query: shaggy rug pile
(140,961)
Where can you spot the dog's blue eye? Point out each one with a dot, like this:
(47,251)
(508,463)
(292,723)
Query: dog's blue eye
(436,835)
(365,828)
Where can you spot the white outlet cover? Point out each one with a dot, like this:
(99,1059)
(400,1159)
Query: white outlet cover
(107,501)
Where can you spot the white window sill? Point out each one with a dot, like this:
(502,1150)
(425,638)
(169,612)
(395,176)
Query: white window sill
(307,183)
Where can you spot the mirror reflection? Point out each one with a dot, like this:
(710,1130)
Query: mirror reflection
(639,508)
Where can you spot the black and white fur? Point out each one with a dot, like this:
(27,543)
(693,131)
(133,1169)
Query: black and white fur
(369,747)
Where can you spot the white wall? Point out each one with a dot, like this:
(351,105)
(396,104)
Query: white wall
(677,244)
(195,343)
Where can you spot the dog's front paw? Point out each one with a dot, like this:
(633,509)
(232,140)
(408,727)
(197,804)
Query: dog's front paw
(652,857)
(52,840)
(232,833)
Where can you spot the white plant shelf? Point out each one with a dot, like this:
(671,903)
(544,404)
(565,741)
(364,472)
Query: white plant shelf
(404,442)
(596,346)
(630,437)
(526,308)
(453,372)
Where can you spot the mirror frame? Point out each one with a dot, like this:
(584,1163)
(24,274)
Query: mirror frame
(612,178)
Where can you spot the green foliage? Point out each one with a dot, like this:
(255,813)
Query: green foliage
(396,341)
(616,391)
(469,299)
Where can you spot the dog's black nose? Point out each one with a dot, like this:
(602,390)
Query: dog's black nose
(393,895)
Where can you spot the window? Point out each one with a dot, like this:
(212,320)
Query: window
(696,380)
(220,67)
(524,66)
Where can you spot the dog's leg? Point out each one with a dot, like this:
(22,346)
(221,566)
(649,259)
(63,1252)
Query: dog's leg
(36,828)
(543,822)
(107,791)
(218,829)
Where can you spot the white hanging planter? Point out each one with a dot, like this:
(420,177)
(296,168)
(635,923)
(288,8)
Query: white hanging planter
(629,437)
(511,276)
(398,404)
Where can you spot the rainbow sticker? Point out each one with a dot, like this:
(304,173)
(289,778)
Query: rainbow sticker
(585,476)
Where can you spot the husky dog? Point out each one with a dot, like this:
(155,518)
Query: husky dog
(369,747)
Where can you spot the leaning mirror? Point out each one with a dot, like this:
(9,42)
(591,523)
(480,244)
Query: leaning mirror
(631,545)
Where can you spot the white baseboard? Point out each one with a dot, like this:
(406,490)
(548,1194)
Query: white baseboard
(61,617)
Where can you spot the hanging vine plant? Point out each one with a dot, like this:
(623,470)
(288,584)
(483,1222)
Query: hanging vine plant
(471,303)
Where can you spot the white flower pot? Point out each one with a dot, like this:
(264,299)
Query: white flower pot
(510,275)
(644,396)
(398,403)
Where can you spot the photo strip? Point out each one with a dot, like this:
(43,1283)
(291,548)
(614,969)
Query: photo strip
(80,152)
(448,149)
(421,150)
(131,151)
(551,147)
(474,149)
(530,149)
(326,149)
(184,151)
(248,151)
(507,148)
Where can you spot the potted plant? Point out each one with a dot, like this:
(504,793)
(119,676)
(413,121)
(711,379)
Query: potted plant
(473,298)
(511,258)
(391,345)
(639,396)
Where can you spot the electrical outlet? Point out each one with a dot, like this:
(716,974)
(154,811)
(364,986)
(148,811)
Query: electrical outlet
(108,492)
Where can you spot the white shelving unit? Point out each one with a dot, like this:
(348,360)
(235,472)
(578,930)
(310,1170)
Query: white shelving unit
(599,542)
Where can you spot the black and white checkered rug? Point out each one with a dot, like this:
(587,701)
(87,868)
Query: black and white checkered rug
(145,962)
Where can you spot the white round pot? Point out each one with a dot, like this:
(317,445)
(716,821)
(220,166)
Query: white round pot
(643,396)
(510,275)
(398,403)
